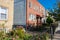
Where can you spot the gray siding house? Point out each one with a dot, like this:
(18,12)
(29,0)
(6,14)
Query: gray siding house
(19,12)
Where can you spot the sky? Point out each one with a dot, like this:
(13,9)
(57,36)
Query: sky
(48,4)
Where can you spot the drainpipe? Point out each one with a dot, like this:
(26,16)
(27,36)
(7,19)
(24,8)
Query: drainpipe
(26,15)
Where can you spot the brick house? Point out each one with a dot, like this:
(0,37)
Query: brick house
(21,12)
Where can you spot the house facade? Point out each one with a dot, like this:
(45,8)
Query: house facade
(6,13)
(21,12)
(28,12)
(35,13)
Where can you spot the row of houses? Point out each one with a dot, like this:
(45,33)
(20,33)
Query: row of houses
(21,12)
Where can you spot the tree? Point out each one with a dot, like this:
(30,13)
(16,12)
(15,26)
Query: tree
(56,12)
(49,20)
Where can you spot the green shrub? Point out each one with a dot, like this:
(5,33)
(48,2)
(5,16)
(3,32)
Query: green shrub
(17,34)
(27,37)
(20,32)
(49,20)
(1,33)
(44,36)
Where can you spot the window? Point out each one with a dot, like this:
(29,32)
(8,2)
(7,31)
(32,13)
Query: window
(30,4)
(3,16)
(40,9)
(3,13)
(36,8)
(32,17)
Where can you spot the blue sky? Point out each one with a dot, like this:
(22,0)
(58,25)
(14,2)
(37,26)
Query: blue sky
(48,4)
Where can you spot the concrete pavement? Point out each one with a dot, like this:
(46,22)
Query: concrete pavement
(56,37)
(57,33)
(58,28)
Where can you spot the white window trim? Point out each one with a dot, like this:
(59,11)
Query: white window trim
(4,13)
(32,17)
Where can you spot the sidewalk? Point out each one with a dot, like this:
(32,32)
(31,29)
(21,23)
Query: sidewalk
(57,33)
(56,37)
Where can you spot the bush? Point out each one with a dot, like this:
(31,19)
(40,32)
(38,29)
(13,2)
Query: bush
(20,32)
(17,34)
(3,36)
(27,37)
(1,33)
(44,36)
(49,20)
(11,33)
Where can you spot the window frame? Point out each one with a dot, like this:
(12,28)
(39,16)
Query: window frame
(32,17)
(6,9)
(30,5)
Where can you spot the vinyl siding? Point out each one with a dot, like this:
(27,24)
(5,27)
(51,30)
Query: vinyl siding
(19,12)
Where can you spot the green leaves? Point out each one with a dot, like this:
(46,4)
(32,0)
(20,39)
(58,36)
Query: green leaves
(49,20)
